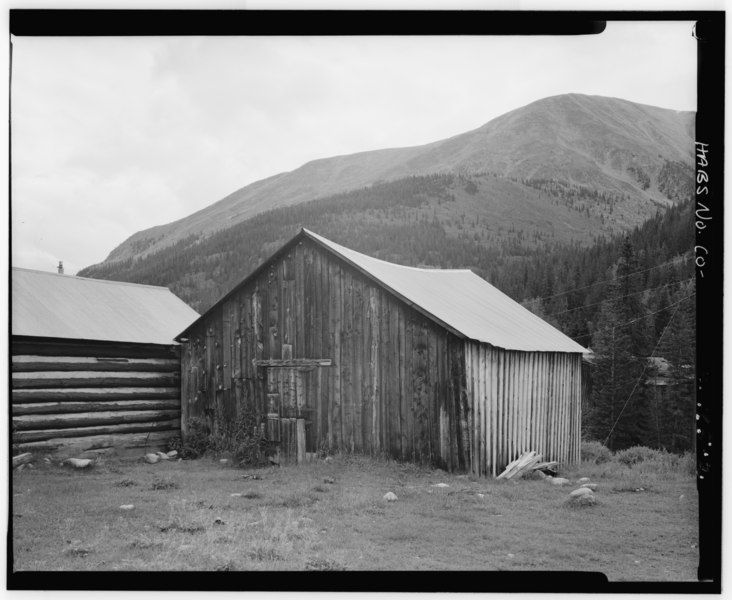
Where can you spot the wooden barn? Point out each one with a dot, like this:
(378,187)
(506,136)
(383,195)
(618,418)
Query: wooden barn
(94,363)
(329,347)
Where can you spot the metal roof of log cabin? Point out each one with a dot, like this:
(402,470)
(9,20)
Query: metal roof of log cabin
(456,299)
(68,307)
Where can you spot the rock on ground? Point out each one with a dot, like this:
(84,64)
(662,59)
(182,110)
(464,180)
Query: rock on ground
(390,497)
(79,463)
(152,458)
(127,507)
(583,480)
(557,480)
(582,500)
(590,486)
(579,492)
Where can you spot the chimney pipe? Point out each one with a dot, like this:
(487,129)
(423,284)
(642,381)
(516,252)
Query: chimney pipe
(60,267)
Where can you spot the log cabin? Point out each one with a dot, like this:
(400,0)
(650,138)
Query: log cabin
(330,348)
(94,364)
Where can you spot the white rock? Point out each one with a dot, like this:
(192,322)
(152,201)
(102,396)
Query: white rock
(152,458)
(172,454)
(681,498)
(235,495)
(79,463)
(390,497)
(163,456)
(583,480)
(590,486)
(582,491)
(441,485)
(587,500)
(127,507)
(558,480)
(224,461)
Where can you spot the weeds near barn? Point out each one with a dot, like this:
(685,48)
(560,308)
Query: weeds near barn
(200,515)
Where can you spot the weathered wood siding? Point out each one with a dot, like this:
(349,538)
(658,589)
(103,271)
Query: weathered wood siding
(522,401)
(399,383)
(397,380)
(93,396)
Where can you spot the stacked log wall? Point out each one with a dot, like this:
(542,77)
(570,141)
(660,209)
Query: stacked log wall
(80,396)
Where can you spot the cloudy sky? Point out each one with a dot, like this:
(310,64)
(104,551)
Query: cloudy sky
(114,135)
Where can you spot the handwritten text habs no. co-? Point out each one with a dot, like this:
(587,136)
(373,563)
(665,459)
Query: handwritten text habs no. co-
(702,211)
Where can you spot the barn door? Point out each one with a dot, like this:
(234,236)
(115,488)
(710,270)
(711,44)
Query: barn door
(291,405)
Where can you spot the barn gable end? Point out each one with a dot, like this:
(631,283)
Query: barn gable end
(394,376)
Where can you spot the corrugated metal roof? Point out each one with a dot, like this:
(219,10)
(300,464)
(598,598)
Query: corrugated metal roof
(463,301)
(68,307)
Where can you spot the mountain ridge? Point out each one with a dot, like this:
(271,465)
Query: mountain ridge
(579,139)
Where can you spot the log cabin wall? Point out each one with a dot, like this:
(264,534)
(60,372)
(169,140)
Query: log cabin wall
(522,401)
(396,384)
(82,396)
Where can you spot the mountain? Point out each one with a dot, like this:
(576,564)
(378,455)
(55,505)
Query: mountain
(639,156)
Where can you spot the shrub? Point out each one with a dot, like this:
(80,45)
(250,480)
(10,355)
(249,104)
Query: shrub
(595,452)
(638,454)
(196,442)
(242,439)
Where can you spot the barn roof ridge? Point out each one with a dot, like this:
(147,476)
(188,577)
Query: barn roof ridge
(312,234)
(92,279)
(457,299)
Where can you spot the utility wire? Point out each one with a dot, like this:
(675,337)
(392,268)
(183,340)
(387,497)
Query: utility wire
(655,312)
(643,372)
(561,312)
(584,287)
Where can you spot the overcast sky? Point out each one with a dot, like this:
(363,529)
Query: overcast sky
(114,135)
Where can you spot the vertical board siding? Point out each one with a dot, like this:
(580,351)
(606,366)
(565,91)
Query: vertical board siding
(398,383)
(522,401)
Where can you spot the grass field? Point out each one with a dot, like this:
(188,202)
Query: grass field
(202,515)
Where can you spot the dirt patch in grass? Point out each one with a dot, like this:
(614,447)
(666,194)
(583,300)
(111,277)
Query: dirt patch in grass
(163,484)
(190,516)
(125,483)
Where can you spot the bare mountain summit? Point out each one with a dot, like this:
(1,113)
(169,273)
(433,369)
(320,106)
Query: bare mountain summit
(641,153)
